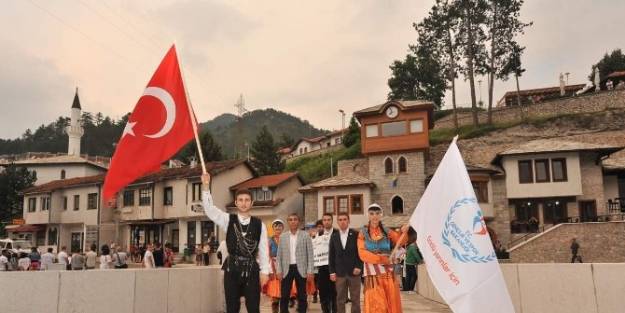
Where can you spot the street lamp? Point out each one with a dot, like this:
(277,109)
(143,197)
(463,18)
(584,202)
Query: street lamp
(342,120)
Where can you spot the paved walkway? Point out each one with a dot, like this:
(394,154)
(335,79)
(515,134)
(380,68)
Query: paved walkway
(411,304)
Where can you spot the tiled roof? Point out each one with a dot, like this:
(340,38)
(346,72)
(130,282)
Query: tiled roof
(213,168)
(543,91)
(338,181)
(616,74)
(406,104)
(320,138)
(260,204)
(553,145)
(265,181)
(615,162)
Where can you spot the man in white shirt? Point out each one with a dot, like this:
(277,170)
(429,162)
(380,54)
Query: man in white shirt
(4,261)
(247,265)
(344,264)
(321,246)
(47,259)
(148,258)
(62,257)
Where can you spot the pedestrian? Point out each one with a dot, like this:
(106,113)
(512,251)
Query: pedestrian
(272,288)
(198,255)
(375,244)
(169,255)
(413,259)
(344,264)
(120,258)
(247,265)
(63,258)
(23,264)
(91,257)
(105,257)
(78,262)
(159,255)
(574,251)
(321,248)
(35,259)
(295,262)
(4,261)
(148,258)
(311,286)
(47,259)
(205,253)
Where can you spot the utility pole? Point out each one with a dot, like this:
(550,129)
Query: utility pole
(342,122)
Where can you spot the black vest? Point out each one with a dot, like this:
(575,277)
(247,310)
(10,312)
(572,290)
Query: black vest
(254,229)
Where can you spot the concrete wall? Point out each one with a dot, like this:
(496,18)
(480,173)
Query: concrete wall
(610,187)
(571,187)
(595,102)
(193,290)
(49,172)
(599,242)
(555,288)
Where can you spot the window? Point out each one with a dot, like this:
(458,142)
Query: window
(525,172)
(45,203)
(62,174)
(338,141)
(542,171)
(32,204)
(402,164)
(168,196)
(558,168)
(76,202)
(481,191)
(328,205)
(328,144)
(526,209)
(394,128)
(388,166)
(65,203)
(416,126)
(555,211)
(145,196)
(371,130)
(52,234)
(268,195)
(129,197)
(343,204)
(398,205)
(356,204)
(92,201)
(257,195)
(197,191)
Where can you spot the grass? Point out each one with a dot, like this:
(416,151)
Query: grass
(316,168)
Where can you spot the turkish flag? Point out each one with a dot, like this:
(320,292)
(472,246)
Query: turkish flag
(159,126)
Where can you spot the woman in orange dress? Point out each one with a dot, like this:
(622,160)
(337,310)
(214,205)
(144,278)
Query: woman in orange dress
(375,244)
(272,288)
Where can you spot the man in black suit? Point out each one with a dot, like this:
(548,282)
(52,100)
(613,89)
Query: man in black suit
(345,264)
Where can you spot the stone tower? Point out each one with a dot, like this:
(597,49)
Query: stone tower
(75,130)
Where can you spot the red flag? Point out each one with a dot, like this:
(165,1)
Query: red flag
(157,128)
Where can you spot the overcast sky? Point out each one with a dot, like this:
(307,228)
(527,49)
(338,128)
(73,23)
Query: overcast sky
(307,58)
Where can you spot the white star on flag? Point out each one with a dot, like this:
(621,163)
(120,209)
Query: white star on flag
(128,129)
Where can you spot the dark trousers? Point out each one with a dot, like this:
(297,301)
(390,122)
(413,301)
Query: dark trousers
(236,287)
(285,290)
(342,285)
(411,277)
(327,290)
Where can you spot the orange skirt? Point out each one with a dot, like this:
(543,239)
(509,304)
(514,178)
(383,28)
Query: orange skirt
(382,294)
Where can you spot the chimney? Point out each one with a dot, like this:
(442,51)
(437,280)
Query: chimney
(193,162)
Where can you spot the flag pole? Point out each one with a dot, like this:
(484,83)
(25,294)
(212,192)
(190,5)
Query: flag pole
(192,113)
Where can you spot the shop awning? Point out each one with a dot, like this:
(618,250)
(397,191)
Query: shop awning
(26,229)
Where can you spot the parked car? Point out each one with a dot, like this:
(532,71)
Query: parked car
(15,246)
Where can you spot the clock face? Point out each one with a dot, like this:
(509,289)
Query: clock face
(392,112)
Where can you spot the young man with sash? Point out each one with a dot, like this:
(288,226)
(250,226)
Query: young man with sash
(247,265)
(321,251)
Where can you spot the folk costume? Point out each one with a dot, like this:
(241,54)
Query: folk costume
(375,245)
(246,240)
(272,289)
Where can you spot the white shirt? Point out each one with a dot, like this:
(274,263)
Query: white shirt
(223,248)
(148,259)
(46,260)
(23,263)
(292,247)
(344,235)
(221,218)
(90,259)
(63,258)
(105,262)
(3,263)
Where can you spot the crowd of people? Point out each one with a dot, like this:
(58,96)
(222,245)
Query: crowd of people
(329,264)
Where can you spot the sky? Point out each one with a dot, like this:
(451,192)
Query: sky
(306,58)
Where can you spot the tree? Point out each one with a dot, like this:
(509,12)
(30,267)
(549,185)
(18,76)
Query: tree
(514,66)
(471,16)
(12,180)
(615,61)
(504,26)
(210,149)
(264,156)
(286,141)
(353,133)
(417,77)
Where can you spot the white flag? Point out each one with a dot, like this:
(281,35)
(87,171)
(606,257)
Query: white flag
(452,236)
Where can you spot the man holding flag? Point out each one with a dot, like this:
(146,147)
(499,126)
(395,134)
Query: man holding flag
(453,240)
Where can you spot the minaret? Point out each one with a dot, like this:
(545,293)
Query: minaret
(75,130)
